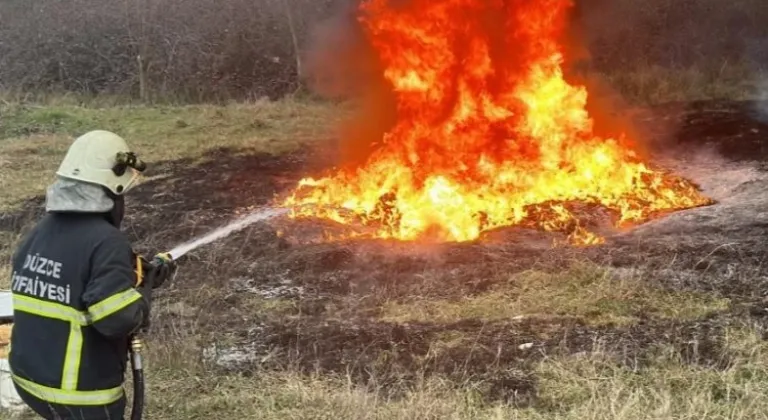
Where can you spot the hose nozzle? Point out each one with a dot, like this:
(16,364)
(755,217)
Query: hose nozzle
(164,258)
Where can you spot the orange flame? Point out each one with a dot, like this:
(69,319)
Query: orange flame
(488,132)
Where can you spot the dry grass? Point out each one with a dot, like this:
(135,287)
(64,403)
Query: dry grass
(33,139)
(597,295)
(653,84)
(8,241)
(587,386)
(181,385)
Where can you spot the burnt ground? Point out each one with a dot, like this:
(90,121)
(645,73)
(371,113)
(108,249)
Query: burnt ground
(273,301)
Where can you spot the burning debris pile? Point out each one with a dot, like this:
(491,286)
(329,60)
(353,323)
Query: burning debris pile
(488,132)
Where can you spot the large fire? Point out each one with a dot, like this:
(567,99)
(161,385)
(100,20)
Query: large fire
(488,132)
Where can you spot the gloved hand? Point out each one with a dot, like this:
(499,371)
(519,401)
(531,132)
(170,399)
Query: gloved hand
(162,270)
(155,274)
(157,271)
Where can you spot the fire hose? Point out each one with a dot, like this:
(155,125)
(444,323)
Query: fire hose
(125,160)
(136,343)
(168,258)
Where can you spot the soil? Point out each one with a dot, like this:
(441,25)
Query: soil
(336,290)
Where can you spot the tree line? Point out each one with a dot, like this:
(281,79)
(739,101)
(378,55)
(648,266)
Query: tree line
(215,50)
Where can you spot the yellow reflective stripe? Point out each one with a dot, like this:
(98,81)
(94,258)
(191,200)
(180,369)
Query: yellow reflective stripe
(139,272)
(49,310)
(113,304)
(58,396)
(73,355)
(72,358)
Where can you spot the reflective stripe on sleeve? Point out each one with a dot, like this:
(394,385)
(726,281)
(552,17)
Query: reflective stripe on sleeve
(113,304)
(69,397)
(49,310)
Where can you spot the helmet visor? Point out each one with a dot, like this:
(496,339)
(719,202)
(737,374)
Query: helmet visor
(135,179)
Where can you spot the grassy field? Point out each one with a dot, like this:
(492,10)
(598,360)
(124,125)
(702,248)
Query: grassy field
(482,337)
(34,137)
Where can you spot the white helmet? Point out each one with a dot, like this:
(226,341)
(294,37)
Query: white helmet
(102,158)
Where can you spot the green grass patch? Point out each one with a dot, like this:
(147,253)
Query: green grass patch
(33,140)
(591,293)
(18,121)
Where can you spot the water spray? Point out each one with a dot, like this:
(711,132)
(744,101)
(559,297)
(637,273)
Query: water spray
(168,258)
(224,231)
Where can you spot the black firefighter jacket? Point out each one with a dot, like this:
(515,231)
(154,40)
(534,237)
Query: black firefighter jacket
(75,305)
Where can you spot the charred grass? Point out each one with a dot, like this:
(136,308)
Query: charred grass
(267,325)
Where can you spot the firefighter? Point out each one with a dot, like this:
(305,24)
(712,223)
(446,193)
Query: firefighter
(74,282)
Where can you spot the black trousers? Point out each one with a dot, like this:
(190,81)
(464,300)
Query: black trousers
(48,411)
